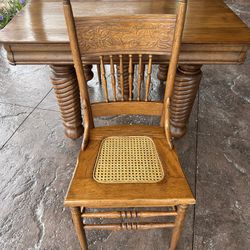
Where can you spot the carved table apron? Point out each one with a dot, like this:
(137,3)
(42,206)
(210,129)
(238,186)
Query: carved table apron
(37,35)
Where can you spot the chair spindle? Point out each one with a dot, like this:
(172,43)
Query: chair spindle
(148,81)
(121,77)
(113,80)
(140,74)
(104,81)
(98,67)
(143,71)
(130,77)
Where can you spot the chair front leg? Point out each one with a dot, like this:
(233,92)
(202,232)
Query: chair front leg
(179,222)
(77,220)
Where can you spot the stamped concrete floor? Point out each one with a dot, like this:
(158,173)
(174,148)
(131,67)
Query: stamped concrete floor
(36,164)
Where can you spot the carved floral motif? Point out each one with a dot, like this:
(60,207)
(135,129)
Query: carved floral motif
(125,36)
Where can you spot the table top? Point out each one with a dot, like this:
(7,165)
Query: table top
(208,21)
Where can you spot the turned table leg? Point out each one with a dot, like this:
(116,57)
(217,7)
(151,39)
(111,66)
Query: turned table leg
(88,72)
(187,82)
(125,80)
(162,72)
(67,93)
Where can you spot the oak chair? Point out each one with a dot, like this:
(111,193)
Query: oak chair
(127,166)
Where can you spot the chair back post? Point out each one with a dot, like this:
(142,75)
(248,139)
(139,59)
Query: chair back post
(181,13)
(165,43)
(82,83)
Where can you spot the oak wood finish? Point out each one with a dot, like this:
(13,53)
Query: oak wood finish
(130,77)
(121,77)
(104,81)
(34,37)
(140,77)
(76,217)
(126,107)
(67,92)
(186,85)
(128,214)
(148,80)
(181,14)
(214,25)
(179,222)
(129,226)
(122,74)
(113,78)
(173,190)
(98,35)
(84,191)
(187,82)
(207,34)
(88,72)
(101,132)
(82,82)
(162,72)
(121,37)
(114,45)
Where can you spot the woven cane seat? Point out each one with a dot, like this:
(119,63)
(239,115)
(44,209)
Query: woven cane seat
(128,159)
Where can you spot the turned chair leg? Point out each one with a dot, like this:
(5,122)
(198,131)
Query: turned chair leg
(77,220)
(179,222)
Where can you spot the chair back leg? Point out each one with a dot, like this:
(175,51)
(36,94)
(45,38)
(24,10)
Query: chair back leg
(77,220)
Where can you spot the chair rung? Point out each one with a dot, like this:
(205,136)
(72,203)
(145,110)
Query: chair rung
(129,214)
(128,226)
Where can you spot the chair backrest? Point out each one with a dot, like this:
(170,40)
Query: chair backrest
(126,40)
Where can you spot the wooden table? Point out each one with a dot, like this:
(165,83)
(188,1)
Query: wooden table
(213,34)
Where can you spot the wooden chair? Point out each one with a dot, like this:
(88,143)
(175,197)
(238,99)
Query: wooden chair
(133,166)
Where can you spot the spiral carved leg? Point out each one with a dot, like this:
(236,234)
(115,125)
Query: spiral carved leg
(67,93)
(88,72)
(162,72)
(125,80)
(187,82)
